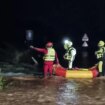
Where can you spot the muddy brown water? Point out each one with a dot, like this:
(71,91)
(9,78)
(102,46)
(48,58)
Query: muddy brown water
(54,91)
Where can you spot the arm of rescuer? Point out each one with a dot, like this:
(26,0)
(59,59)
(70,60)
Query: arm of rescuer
(43,50)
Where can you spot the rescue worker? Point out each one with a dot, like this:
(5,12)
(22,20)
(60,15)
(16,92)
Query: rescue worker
(70,53)
(49,57)
(99,55)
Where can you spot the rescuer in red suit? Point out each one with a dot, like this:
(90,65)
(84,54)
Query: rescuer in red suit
(49,57)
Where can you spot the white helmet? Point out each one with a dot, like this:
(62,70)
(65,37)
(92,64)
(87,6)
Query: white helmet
(70,43)
(67,44)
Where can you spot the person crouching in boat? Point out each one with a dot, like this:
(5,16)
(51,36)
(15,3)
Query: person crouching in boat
(50,56)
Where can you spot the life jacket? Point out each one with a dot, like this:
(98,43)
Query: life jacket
(100,53)
(50,56)
(68,54)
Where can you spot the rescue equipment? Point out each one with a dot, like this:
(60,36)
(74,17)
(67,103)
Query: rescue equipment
(76,73)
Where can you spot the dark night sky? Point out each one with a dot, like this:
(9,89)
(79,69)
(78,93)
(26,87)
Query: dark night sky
(52,19)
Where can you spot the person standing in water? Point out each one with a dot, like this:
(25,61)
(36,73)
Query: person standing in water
(99,55)
(49,57)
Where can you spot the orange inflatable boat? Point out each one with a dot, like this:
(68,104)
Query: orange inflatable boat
(76,72)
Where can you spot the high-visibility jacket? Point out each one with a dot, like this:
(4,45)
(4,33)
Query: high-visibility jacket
(70,54)
(100,52)
(50,56)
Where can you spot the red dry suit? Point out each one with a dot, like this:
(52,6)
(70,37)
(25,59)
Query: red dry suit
(50,56)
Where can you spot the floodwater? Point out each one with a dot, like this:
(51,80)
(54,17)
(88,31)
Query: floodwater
(54,91)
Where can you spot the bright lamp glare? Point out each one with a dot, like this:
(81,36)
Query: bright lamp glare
(29,35)
(66,41)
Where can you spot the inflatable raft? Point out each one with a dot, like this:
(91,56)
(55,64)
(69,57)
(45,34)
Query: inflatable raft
(76,73)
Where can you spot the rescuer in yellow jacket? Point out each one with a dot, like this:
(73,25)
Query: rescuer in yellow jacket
(70,53)
(50,56)
(99,55)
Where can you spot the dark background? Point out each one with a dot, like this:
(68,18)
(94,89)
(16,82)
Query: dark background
(53,20)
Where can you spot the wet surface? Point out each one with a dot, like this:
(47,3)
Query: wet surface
(82,92)
(54,91)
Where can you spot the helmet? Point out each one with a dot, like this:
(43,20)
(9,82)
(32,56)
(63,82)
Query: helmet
(49,44)
(70,43)
(67,44)
(101,43)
